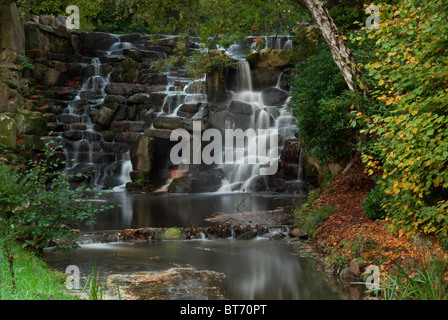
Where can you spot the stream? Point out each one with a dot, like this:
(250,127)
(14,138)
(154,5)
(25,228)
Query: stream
(199,269)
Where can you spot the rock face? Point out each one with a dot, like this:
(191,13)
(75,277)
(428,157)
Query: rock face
(10,99)
(12,34)
(8,132)
(142,151)
(270,58)
(97,95)
(274,96)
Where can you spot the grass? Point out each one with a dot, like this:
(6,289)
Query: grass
(311,219)
(425,281)
(34,279)
(96,290)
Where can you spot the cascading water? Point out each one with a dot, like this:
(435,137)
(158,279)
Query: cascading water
(265,120)
(85,153)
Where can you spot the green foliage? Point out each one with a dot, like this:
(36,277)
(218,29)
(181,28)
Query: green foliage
(321,104)
(410,281)
(205,62)
(33,279)
(43,208)
(373,204)
(411,136)
(310,220)
(208,19)
(44,7)
(95,289)
(353,251)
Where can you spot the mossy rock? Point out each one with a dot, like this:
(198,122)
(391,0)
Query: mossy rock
(180,185)
(127,71)
(8,132)
(270,58)
(32,123)
(173,234)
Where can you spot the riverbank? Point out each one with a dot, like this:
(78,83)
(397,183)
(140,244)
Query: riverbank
(34,280)
(348,241)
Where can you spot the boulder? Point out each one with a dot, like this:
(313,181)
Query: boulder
(171,123)
(126,71)
(43,37)
(10,100)
(127,126)
(190,107)
(29,122)
(215,87)
(139,98)
(73,135)
(47,76)
(153,78)
(291,151)
(8,132)
(106,114)
(237,106)
(11,27)
(142,153)
(89,41)
(164,134)
(180,185)
(123,89)
(298,233)
(177,43)
(115,98)
(270,58)
(157,99)
(274,97)
(148,117)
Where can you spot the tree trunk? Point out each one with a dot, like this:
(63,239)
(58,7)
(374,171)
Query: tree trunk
(342,55)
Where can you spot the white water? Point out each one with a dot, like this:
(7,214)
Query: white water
(245,177)
(88,151)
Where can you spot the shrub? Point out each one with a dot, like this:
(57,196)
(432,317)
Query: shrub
(321,104)
(39,206)
(311,220)
(411,137)
(373,204)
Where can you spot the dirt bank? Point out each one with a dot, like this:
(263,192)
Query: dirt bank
(348,239)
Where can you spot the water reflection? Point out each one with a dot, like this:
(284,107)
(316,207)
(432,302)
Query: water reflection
(254,269)
(177,210)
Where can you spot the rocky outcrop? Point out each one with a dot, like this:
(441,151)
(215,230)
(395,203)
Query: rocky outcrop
(135,112)
(270,68)
(11,28)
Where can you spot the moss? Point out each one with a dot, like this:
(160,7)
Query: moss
(173,234)
(8,132)
(29,122)
(180,185)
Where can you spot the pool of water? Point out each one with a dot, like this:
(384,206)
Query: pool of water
(135,210)
(259,268)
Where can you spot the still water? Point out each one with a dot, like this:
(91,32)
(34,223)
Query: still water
(252,269)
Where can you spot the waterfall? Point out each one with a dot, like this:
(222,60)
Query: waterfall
(83,144)
(244,78)
(263,118)
(300,173)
